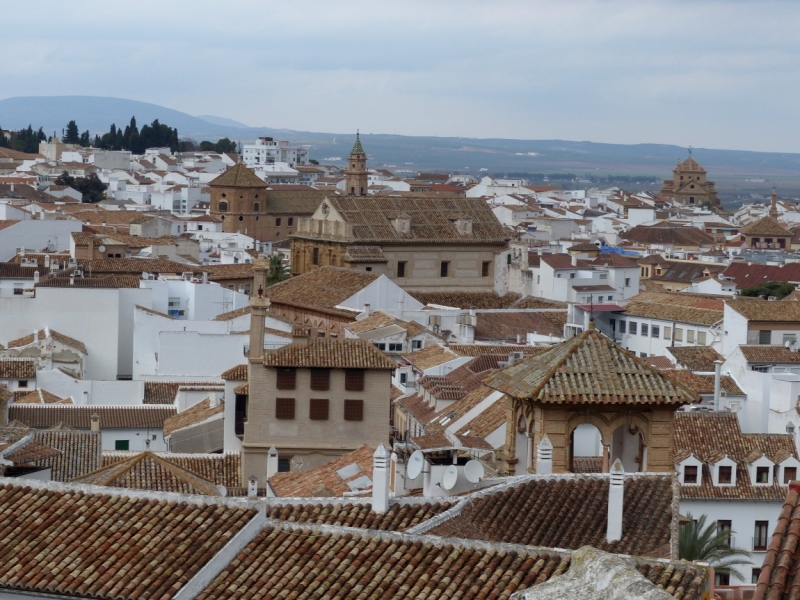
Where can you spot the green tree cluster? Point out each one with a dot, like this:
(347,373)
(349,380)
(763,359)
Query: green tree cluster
(27,140)
(223,145)
(778,289)
(155,135)
(92,189)
(71,135)
(4,142)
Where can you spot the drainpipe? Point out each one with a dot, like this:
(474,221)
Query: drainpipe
(717,383)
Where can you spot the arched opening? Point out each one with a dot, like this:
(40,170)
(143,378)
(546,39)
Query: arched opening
(256,206)
(627,445)
(522,448)
(223,206)
(352,191)
(586,449)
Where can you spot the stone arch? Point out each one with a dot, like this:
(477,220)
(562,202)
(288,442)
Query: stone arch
(631,419)
(590,419)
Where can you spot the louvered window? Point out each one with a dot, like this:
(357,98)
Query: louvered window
(286,378)
(320,379)
(318,409)
(353,410)
(284,408)
(354,380)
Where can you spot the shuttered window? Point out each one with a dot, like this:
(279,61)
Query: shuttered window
(353,410)
(354,380)
(284,408)
(318,409)
(320,379)
(286,378)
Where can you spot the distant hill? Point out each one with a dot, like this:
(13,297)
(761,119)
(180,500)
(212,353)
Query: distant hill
(653,162)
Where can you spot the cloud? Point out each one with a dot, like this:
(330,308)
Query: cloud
(706,73)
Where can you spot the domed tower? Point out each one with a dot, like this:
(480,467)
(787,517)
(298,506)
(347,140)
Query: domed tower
(356,173)
(238,198)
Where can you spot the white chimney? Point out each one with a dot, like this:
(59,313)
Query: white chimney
(544,456)
(616,493)
(252,487)
(35,277)
(72,279)
(205,276)
(95,426)
(47,261)
(574,260)
(380,479)
(717,382)
(366,309)
(35,335)
(272,462)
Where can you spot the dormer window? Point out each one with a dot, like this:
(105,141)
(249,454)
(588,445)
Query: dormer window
(726,475)
(789,474)
(762,475)
(690,474)
(760,468)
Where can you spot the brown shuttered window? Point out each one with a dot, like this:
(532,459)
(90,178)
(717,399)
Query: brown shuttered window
(284,408)
(318,409)
(353,410)
(354,380)
(320,379)
(286,378)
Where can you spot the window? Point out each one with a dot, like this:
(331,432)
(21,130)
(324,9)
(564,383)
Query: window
(278,222)
(315,256)
(760,535)
(701,338)
(121,444)
(396,347)
(632,327)
(443,269)
(284,408)
(284,465)
(667,333)
(368,269)
(416,344)
(241,218)
(789,474)
(354,380)
(223,207)
(613,323)
(655,331)
(23,383)
(678,334)
(286,378)
(690,474)
(754,577)
(320,379)
(726,474)
(379,345)
(627,282)
(622,326)
(320,334)
(690,336)
(401,268)
(760,369)
(762,474)
(256,206)
(290,221)
(722,579)
(18,288)
(318,409)
(645,329)
(353,410)
(403,378)
(725,527)
(241,413)
(642,354)
(485,268)
(508,259)
(764,337)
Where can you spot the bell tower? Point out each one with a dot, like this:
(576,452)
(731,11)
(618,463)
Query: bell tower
(356,173)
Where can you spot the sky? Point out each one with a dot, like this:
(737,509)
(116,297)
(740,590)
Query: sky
(713,74)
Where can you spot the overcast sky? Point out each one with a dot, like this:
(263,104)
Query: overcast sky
(709,74)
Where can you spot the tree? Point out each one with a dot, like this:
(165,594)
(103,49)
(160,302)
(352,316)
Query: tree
(313,161)
(769,288)
(92,189)
(27,140)
(71,136)
(85,140)
(4,141)
(222,145)
(277,270)
(698,541)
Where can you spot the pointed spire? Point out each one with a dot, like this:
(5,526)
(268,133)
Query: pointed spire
(357,148)
(773,209)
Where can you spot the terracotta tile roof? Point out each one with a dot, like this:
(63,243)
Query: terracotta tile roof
(233,314)
(615,260)
(221,469)
(587,464)
(59,337)
(150,471)
(703,301)
(365,254)
(75,452)
(17,368)
(769,354)
(515,326)
(564,261)
(778,578)
(588,369)
(332,477)
(202,411)
(523,514)
(532,302)
(16,271)
(765,310)
(659,362)
(703,384)
(432,219)
(746,274)
(42,397)
(237,373)
(487,421)
(109,282)
(111,217)
(322,289)
(375,320)
(397,518)
(666,312)
(496,349)
(232,271)
(126,547)
(696,358)
(765,226)
(135,266)
(79,417)
(30,452)
(150,311)
(462,299)
(164,392)
(417,407)
(706,435)
(330,353)
(238,176)
(430,357)
(667,234)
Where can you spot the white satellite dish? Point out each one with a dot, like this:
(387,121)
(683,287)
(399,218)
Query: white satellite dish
(450,477)
(223,491)
(102,248)
(415,462)
(473,471)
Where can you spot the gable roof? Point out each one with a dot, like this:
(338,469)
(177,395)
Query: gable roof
(696,358)
(432,219)
(332,477)
(765,226)
(588,369)
(667,234)
(465,299)
(220,469)
(769,354)
(164,392)
(17,368)
(238,176)
(667,312)
(766,310)
(42,334)
(703,384)
(514,326)
(237,373)
(745,274)
(430,357)
(71,453)
(202,411)
(79,417)
(330,353)
(322,289)
(778,572)
(41,396)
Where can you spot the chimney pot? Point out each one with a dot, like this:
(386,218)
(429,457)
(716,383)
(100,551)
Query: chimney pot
(381,460)
(544,457)
(616,492)
(272,462)
(95,422)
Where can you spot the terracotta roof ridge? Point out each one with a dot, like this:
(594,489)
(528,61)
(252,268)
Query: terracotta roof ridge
(183,474)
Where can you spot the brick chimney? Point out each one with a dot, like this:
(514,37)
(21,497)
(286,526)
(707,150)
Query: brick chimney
(616,492)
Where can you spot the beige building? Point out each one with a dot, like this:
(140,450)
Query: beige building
(767,233)
(312,400)
(689,185)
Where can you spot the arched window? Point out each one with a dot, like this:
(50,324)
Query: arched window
(241,218)
(256,206)
(223,206)
(352,191)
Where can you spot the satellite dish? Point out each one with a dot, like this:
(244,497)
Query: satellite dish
(223,491)
(415,462)
(102,248)
(450,477)
(473,471)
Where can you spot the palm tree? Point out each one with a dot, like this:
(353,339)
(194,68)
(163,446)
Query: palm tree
(277,270)
(698,541)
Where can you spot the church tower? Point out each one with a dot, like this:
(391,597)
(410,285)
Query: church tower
(356,173)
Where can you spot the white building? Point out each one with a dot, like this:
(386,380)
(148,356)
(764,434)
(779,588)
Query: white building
(268,151)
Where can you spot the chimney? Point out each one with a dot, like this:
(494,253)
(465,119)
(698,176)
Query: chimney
(205,276)
(380,479)
(366,309)
(717,382)
(574,260)
(72,279)
(252,487)
(35,335)
(616,492)
(544,456)
(95,422)
(47,261)
(272,462)
(35,277)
